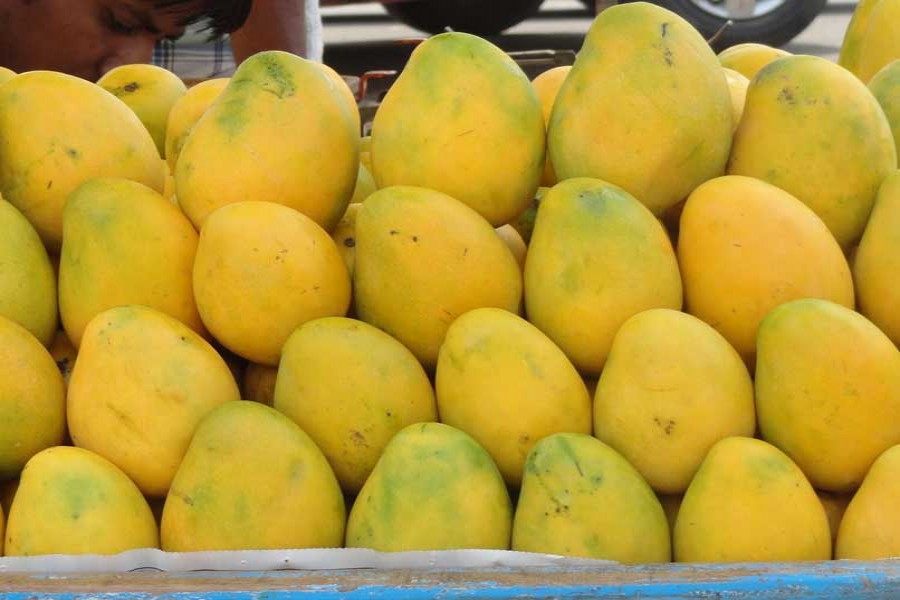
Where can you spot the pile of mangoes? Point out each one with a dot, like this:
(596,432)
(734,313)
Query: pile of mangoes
(644,308)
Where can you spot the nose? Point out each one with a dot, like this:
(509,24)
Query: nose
(128,51)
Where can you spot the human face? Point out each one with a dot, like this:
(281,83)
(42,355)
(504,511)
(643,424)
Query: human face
(85,38)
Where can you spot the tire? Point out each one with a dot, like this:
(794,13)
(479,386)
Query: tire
(778,23)
(481,17)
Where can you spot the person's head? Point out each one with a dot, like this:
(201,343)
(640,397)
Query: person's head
(89,37)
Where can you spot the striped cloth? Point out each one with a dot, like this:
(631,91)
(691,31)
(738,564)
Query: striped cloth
(195,59)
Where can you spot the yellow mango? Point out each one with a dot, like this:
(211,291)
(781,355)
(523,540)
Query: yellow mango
(365,186)
(434,488)
(547,86)
(365,153)
(835,505)
(6,74)
(150,91)
(746,246)
(870,527)
(7,493)
(749,502)
(344,236)
(252,480)
(854,35)
(185,113)
(524,223)
(505,383)
(58,131)
(123,243)
(474,133)
(262,270)
(64,354)
(514,242)
(258,383)
(424,258)
(382,388)
(140,385)
(827,390)
(737,85)
(581,498)
(72,501)
(646,107)
(877,261)
(32,398)
(280,131)
(27,280)
(885,86)
(813,129)
(749,58)
(663,408)
(342,90)
(597,256)
(880,44)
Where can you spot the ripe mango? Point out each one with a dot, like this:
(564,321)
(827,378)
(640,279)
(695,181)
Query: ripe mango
(835,505)
(547,86)
(27,280)
(815,131)
(827,390)
(885,86)
(262,270)
(462,119)
(150,91)
(749,58)
(749,502)
(344,236)
(505,383)
(880,44)
(6,74)
(32,398)
(141,384)
(382,388)
(258,383)
(72,501)
(854,35)
(663,408)
(280,131)
(597,256)
(123,243)
(737,85)
(58,131)
(514,242)
(646,107)
(581,498)
(64,354)
(746,246)
(185,113)
(252,480)
(424,258)
(7,493)
(877,261)
(870,528)
(434,488)
(365,185)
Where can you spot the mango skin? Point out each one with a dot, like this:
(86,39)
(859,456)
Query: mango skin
(76,131)
(124,244)
(885,86)
(749,58)
(382,389)
(880,44)
(474,133)
(424,258)
(280,131)
(365,186)
(855,34)
(835,506)
(663,408)
(72,501)
(870,528)
(547,85)
(749,502)
(815,131)
(514,242)
(262,270)
(737,86)
(505,383)
(581,498)
(344,236)
(32,399)
(434,488)
(150,91)
(6,74)
(141,384)
(645,107)
(827,390)
(877,261)
(597,256)
(745,247)
(27,281)
(185,113)
(252,480)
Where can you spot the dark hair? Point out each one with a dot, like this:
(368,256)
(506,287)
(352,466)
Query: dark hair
(218,16)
